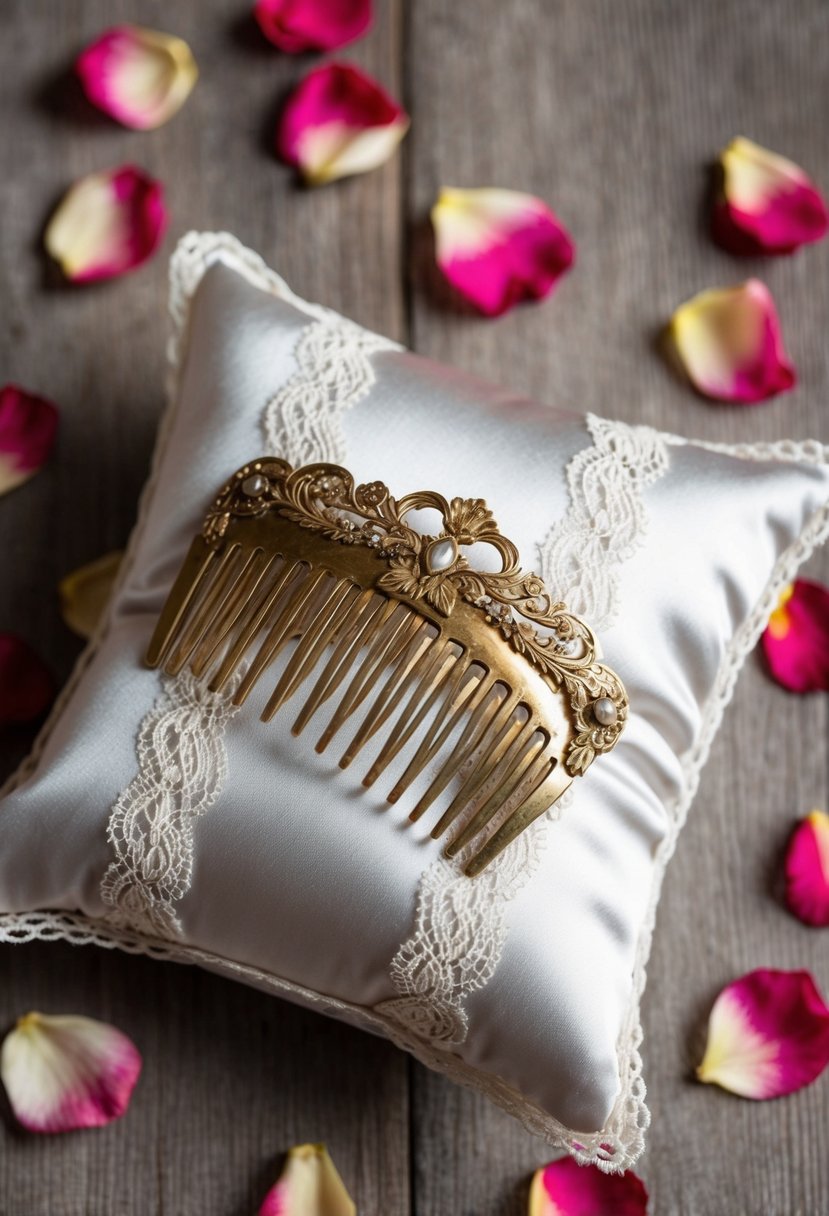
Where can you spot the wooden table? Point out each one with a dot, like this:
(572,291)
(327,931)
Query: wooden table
(612,110)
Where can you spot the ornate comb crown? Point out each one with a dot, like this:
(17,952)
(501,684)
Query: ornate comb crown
(484,681)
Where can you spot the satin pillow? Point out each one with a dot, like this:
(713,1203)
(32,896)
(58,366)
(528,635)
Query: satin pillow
(192,831)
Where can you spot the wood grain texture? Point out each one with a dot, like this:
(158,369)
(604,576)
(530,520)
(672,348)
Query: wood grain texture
(612,111)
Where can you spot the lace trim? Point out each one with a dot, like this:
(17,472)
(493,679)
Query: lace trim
(182,765)
(303,422)
(461,926)
(606,520)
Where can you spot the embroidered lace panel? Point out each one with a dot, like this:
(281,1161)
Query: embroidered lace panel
(182,765)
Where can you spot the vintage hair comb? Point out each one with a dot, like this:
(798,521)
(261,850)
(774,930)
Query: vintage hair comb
(479,671)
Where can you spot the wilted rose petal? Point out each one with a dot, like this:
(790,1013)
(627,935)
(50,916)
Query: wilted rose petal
(27,435)
(337,122)
(26,687)
(796,639)
(312,25)
(63,1073)
(729,343)
(768,1035)
(84,594)
(767,203)
(308,1186)
(499,247)
(565,1188)
(107,223)
(138,76)
(807,870)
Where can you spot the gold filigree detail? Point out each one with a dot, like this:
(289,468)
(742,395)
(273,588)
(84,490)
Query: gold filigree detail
(433,572)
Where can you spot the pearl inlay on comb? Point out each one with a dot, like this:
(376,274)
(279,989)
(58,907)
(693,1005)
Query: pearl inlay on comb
(487,683)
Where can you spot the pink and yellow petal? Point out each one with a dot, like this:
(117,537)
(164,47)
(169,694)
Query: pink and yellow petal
(85,593)
(312,25)
(339,122)
(768,1035)
(139,77)
(565,1188)
(107,224)
(28,425)
(67,1072)
(729,343)
(767,203)
(807,870)
(309,1185)
(26,685)
(499,247)
(796,640)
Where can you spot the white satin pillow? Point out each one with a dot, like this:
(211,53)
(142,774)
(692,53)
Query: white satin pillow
(194,832)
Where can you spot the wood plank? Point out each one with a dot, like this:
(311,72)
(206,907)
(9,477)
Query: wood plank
(612,112)
(232,1077)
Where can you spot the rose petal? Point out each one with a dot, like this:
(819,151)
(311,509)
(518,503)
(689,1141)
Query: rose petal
(27,435)
(139,77)
(499,247)
(26,687)
(309,1185)
(85,593)
(767,203)
(565,1188)
(107,223)
(807,870)
(312,25)
(730,345)
(796,640)
(768,1035)
(63,1073)
(337,122)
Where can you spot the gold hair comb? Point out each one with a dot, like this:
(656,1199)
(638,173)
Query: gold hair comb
(480,671)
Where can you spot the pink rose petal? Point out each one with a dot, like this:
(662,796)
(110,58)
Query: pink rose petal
(26,687)
(565,1188)
(309,1185)
(27,434)
(107,224)
(796,640)
(807,870)
(499,247)
(63,1073)
(767,203)
(729,343)
(139,77)
(338,122)
(768,1035)
(312,25)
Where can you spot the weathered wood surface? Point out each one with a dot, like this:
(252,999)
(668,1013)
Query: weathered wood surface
(612,111)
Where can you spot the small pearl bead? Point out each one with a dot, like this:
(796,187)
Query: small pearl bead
(254,486)
(440,555)
(604,711)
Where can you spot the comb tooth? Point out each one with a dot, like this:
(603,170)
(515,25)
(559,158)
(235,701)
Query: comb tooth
(392,692)
(547,787)
(202,618)
(251,624)
(327,621)
(223,621)
(497,764)
(361,619)
(441,662)
(509,783)
(484,712)
(287,620)
(383,649)
(495,760)
(191,576)
(441,728)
